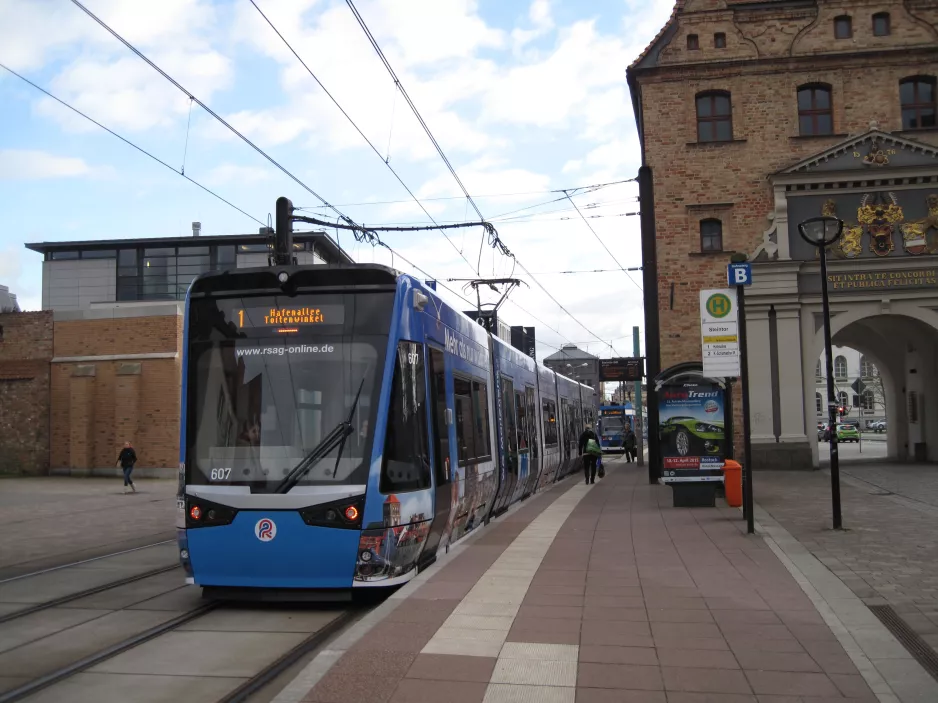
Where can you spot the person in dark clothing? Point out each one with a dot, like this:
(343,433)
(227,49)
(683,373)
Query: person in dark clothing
(629,444)
(127,458)
(589,460)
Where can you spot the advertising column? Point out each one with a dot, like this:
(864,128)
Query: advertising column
(691,427)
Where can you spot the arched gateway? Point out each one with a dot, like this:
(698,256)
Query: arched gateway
(883,283)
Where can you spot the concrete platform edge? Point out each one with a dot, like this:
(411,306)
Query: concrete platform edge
(299,687)
(836,603)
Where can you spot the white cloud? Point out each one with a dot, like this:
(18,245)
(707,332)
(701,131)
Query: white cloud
(27,165)
(234,173)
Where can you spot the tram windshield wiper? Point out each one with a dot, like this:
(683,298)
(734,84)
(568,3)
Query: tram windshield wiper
(336,437)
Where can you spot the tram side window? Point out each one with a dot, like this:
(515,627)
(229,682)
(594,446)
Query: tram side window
(508,396)
(465,436)
(406,463)
(480,405)
(522,421)
(532,420)
(550,423)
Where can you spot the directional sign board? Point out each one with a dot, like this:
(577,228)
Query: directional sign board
(739,274)
(719,334)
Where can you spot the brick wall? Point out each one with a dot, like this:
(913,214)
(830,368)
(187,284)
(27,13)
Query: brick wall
(769,53)
(25,352)
(97,404)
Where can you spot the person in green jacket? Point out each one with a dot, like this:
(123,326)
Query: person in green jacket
(589,458)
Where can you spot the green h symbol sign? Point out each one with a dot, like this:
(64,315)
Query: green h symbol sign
(719,305)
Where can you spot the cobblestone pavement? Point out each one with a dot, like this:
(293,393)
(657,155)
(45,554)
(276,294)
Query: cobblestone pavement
(888,554)
(50,521)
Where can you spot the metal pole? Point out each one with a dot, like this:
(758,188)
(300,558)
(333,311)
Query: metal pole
(639,441)
(831,404)
(646,195)
(747,430)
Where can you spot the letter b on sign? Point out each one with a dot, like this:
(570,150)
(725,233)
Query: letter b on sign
(739,274)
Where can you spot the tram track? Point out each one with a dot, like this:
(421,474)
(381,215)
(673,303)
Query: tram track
(64,672)
(78,595)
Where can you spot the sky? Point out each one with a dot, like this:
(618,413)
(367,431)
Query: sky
(524,98)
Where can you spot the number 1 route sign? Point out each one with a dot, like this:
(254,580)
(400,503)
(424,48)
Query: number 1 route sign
(719,336)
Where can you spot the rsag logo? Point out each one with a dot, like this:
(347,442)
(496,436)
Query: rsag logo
(265,530)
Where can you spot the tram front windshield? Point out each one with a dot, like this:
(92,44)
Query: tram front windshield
(612,425)
(270,377)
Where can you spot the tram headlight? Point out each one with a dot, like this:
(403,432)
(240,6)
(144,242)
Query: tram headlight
(351,513)
(283,277)
(195,512)
(184,554)
(366,555)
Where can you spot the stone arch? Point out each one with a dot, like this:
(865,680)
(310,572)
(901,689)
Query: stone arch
(902,341)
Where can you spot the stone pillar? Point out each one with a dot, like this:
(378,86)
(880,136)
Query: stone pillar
(791,382)
(81,417)
(760,375)
(127,403)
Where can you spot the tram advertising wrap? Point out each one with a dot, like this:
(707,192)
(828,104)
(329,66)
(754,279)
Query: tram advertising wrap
(691,426)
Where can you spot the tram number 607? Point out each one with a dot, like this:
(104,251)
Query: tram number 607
(413,357)
(220,474)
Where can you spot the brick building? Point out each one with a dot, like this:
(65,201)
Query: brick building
(25,353)
(103,362)
(754,116)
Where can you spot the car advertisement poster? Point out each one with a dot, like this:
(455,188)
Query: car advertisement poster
(691,426)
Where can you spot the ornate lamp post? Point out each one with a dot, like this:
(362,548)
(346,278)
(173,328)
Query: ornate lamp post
(822,232)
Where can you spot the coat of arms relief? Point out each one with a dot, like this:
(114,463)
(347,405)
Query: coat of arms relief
(879,219)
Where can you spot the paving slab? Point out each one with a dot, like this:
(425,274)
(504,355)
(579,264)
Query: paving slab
(54,651)
(62,520)
(664,604)
(46,587)
(30,628)
(196,653)
(262,620)
(104,688)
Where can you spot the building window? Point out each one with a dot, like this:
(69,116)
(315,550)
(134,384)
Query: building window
(840,367)
(917,97)
(843,27)
(165,273)
(719,40)
(819,403)
(60,255)
(868,399)
(817,370)
(693,43)
(867,368)
(711,235)
(842,399)
(714,117)
(881,24)
(815,116)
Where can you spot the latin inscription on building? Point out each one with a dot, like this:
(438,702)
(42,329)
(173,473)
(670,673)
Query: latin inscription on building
(863,281)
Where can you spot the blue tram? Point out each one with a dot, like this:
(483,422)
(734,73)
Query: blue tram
(613,420)
(342,425)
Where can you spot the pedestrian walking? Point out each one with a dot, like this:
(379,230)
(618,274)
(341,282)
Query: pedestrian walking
(590,451)
(629,443)
(126,459)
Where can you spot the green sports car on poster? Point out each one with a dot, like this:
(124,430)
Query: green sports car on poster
(688,436)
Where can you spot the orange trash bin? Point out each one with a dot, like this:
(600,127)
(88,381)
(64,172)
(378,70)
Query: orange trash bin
(733,482)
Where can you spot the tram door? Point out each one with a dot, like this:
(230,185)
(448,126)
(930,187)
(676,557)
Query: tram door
(440,428)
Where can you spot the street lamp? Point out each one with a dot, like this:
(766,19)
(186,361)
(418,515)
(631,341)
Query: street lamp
(821,232)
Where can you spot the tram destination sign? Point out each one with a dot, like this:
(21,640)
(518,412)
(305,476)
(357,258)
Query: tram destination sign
(298,316)
(629,368)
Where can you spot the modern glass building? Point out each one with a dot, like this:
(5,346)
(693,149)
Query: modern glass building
(78,275)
